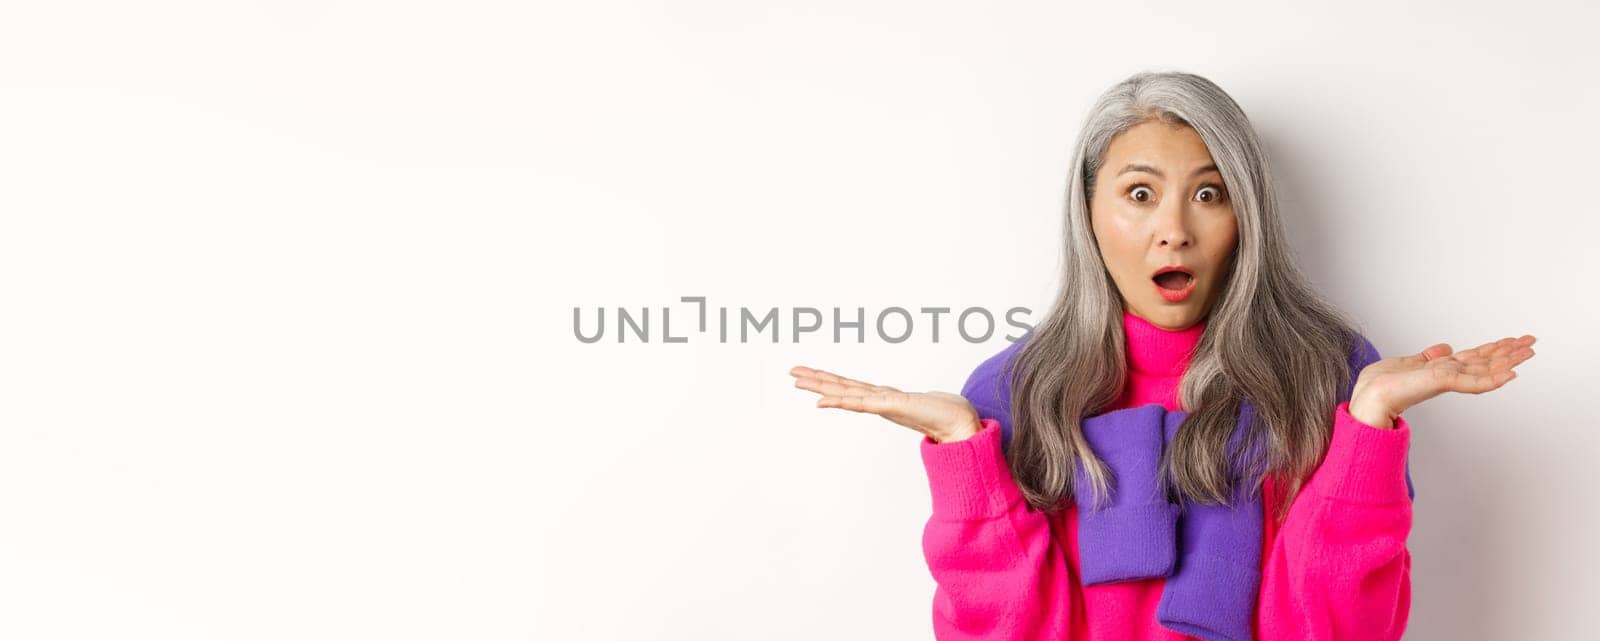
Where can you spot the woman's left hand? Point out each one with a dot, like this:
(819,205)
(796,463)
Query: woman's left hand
(1392,385)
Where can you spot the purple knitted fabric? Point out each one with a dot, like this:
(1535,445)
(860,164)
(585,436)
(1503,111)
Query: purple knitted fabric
(1130,536)
(1213,594)
(1211,554)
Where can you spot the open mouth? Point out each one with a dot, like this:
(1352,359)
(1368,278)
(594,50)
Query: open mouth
(1174,281)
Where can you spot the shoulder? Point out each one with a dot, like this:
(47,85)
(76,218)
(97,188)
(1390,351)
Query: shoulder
(1362,352)
(995,368)
(988,387)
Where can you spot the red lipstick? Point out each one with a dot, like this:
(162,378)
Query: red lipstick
(1174,295)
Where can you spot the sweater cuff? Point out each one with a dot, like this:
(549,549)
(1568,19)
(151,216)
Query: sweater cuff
(1211,597)
(1365,464)
(1127,542)
(969,478)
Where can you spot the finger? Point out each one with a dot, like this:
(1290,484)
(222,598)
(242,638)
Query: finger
(1506,354)
(835,378)
(1524,340)
(872,404)
(1521,348)
(1500,348)
(1499,362)
(830,376)
(854,387)
(1506,345)
(1493,356)
(819,376)
(830,388)
(1478,384)
(1516,358)
(1434,352)
(1512,357)
(799,371)
(1479,354)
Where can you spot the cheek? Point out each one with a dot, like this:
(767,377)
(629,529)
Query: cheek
(1106,235)
(1225,236)
(1122,258)
(1111,228)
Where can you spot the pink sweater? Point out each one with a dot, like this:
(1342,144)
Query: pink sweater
(1337,568)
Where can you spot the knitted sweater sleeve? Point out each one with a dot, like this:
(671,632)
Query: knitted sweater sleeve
(1000,572)
(1339,568)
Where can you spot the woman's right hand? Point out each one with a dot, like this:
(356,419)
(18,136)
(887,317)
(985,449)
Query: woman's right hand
(941,416)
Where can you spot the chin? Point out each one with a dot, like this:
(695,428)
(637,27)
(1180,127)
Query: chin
(1176,317)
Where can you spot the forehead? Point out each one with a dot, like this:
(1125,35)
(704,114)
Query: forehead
(1160,145)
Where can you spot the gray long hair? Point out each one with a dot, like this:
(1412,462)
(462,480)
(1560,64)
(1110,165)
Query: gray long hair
(1269,336)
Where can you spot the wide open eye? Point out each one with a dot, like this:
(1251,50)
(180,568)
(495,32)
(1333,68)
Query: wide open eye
(1209,194)
(1148,194)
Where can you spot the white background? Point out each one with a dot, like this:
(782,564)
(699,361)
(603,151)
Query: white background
(286,349)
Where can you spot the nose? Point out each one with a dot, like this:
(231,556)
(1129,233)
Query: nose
(1172,229)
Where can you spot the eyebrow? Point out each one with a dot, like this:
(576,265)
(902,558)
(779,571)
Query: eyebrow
(1153,170)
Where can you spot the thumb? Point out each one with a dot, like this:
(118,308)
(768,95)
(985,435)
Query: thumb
(1434,352)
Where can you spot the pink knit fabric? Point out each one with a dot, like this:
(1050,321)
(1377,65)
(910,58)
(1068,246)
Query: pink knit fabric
(1336,569)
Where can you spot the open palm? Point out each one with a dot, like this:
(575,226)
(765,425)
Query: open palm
(1401,382)
(941,416)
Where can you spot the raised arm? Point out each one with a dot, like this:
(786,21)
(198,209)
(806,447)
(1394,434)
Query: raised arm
(1339,568)
(1000,572)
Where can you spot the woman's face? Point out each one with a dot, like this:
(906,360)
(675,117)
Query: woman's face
(1159,201)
